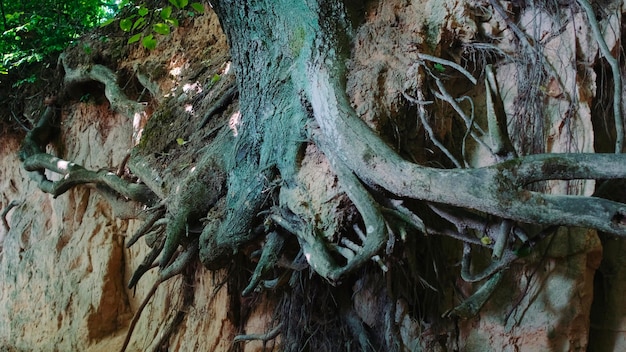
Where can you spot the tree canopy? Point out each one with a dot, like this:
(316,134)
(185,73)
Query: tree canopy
(33,30)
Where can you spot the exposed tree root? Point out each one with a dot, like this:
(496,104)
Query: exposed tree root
(269,258)
(268,336)
(98,73)
(375,227)
(475,302)
(146,264)
(35,160)
(313,247)
(176,267)
(6,211)
(494,190)
(616,73)
(493,268)
(147,225)
(220,104)
(236,176)
(429,130)
(360,158)
(75,175)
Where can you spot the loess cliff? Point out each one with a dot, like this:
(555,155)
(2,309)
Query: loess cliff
(65,266)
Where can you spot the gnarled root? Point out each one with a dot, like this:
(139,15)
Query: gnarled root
(179,264)
(270,335)
(219,241)
(75,174)
(475,302)
(269,258)
(98,73)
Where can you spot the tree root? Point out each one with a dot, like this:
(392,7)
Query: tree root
(176,267)
(472,305)
(176,230)
(226,98)
(373,219)
(269,258)
(147,225)
(268,336)
(357,329)
(75,174)
(454,65)
(358,156)
(146,264)
(494,189)
(429,130)
(6,211)
(242,207)
(495,266)
(615,71)
(313,247)
(114,94)
(35,159)
(496,118)
(37,138)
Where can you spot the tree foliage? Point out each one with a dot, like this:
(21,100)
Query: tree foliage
(34,30)
(146,20)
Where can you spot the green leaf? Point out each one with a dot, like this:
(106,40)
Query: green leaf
(134,38)
(198,7)
(166,13)
(107,22)
(180,141)
(162,28)
(172,21)
(183,3)
(141,21)
(142,11)
(439,67)
(215,78)
(126,24)
(175,3)
(149,42)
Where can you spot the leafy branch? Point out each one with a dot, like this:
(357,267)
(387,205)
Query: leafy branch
(35,30)
(145,23)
